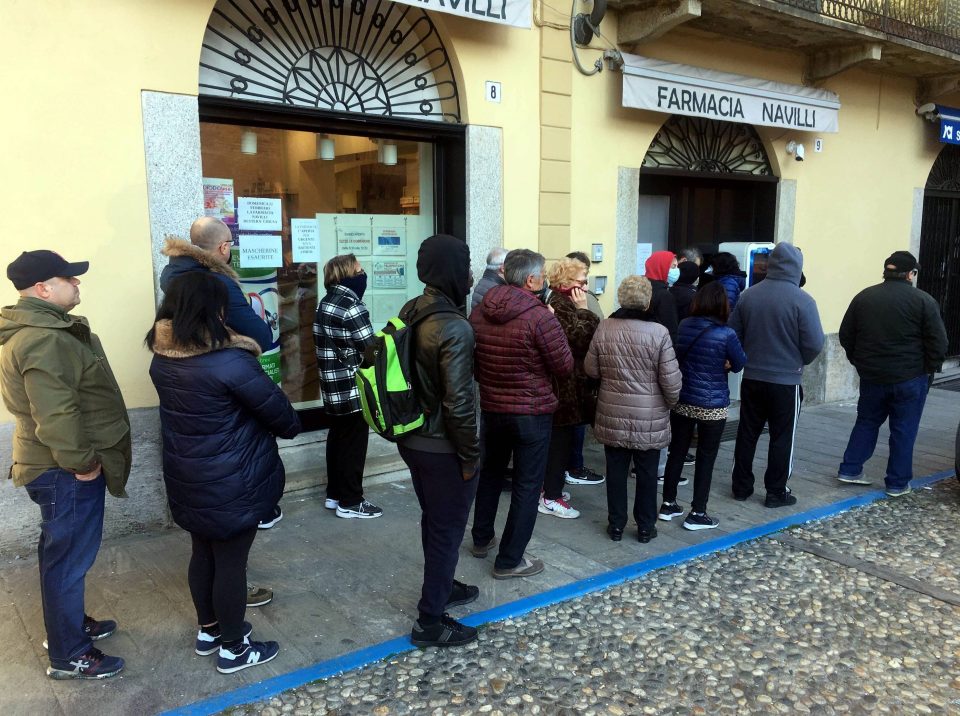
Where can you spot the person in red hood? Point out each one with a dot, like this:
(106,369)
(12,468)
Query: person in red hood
(521,348)
(660,267)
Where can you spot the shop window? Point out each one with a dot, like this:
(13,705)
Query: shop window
(295,199)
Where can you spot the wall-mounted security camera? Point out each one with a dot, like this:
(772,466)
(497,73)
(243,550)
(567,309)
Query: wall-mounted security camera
(928,111)
(796,149)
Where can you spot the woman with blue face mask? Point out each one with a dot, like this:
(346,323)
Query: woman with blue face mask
(341,332)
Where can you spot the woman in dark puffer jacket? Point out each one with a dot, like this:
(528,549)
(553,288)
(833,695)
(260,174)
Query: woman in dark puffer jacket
(220,415)
(568,281)
(726,271)
(706,350)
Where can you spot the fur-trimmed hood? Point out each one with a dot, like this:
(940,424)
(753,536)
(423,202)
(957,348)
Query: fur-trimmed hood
(164,344)
(180,247)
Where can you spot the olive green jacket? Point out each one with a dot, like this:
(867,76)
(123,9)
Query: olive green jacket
(57,383)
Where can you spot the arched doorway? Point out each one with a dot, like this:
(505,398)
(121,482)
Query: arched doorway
(704,182)
(371,58)
(940,241)
(339,125)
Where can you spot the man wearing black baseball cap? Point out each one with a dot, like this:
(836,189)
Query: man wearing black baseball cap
(894,336)
(71,444)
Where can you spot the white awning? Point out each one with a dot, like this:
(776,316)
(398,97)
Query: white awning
(517,13)
(698,92)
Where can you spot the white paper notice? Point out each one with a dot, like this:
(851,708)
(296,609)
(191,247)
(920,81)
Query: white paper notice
(644,252)
(305,237)
(353,240)
(389,242)
(390,274)
(261,251)
(258,214)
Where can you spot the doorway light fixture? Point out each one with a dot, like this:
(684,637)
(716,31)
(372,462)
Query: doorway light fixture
(248,142)
(389,154)
(326,149)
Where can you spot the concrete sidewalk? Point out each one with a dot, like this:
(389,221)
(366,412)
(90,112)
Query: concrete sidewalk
(345,584)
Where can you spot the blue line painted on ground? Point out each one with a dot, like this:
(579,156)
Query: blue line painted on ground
(362,657)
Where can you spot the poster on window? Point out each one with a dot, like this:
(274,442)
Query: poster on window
(261,251)
(218,199)
(389,241)
(259,214)
(354,240)
(305,237)
(390,274)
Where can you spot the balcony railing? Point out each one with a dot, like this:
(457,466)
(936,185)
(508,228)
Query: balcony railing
(928,22)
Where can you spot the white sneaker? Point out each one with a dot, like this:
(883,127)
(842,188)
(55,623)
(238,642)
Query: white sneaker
(557,508)
(564,494)
(331,504)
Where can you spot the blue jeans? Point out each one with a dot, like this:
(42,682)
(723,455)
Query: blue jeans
(527,437)
(903,404)
(71,525)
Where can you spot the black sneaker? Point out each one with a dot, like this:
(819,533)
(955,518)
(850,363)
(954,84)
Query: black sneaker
(462,594)
(268,522)
(700,521)
(98,629)
(208,643)
(446,632)
(583,476)
(742,497)
(94,629)
(689,459)
(646,535)
(669,510)
(784,500)
(364,511)
(93,664)
(245,655)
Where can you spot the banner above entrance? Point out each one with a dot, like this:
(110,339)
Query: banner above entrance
(503,12)
(694,91)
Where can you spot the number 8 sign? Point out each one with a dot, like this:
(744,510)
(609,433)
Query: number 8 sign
(493,92)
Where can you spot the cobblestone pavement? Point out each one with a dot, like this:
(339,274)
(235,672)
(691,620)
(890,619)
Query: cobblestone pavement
(813,620)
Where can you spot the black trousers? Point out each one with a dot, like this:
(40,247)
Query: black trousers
(445,500)
(779,407)
(218,581)
(645,497)
(558,458)
(708,445)
(346,457)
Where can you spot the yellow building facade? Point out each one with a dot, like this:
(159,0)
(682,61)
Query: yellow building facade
(118,122)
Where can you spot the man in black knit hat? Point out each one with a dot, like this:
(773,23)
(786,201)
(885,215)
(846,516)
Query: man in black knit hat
(443,454)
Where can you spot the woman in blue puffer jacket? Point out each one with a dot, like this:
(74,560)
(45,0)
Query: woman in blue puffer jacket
(220,415)
(706,350)
(726,271)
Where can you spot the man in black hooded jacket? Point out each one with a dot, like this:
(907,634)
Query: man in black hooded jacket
(443,454)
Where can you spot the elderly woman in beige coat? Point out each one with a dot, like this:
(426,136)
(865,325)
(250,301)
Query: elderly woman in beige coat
(639,383)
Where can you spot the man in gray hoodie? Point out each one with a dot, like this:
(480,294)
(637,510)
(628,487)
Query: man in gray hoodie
(779,326)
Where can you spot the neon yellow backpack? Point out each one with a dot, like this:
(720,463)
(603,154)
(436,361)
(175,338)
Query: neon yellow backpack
(386,377)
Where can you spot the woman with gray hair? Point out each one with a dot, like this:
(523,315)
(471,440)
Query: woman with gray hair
(639,382)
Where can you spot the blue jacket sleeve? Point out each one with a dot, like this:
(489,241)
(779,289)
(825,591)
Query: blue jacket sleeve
(242,319)
(735,354)
(262,397)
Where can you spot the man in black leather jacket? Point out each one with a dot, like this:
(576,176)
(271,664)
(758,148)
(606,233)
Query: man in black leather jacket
(443,454)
